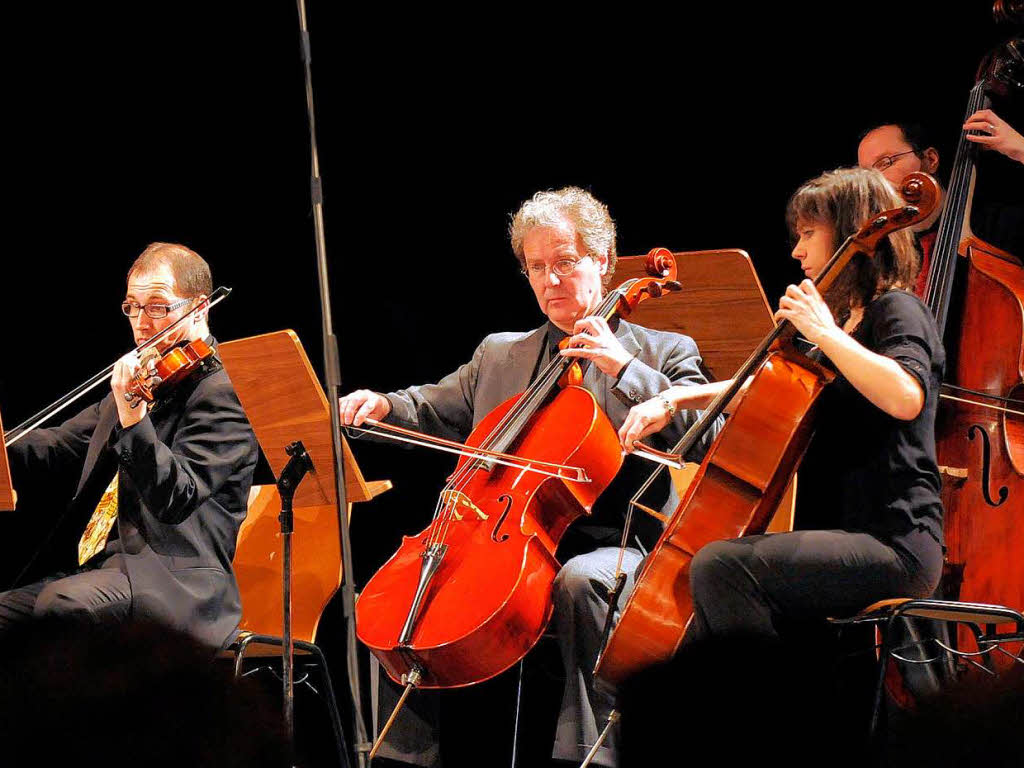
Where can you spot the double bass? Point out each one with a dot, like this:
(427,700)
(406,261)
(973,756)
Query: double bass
(747,469)
(976,292)
(471,594)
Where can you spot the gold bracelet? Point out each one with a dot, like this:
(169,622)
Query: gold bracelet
(669,408)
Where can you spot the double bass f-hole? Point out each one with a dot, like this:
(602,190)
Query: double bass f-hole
(501,519)
(986,466)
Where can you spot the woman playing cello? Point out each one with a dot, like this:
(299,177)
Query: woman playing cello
(871,516)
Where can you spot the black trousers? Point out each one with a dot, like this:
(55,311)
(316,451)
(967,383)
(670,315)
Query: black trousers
(754,586)
(89,595)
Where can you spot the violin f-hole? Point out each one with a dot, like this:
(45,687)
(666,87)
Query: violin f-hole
(986,467)
(501,519)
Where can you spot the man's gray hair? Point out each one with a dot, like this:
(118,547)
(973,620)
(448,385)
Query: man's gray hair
(588,216)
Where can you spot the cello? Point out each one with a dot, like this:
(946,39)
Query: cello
(471,594)
(974,289)
(746,471)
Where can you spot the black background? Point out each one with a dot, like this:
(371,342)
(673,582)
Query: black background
(186,122)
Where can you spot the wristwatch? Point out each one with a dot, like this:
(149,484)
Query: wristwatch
(669,408)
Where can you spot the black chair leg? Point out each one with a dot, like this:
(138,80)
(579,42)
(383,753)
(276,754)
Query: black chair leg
(874,743)
(332,702)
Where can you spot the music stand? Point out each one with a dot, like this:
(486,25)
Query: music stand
(723,308)
(282,398)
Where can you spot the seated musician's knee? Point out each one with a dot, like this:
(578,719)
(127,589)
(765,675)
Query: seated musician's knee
(574,582)
(713,563)
(63,601)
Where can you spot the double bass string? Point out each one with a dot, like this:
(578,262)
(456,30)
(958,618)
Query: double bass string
(945,239)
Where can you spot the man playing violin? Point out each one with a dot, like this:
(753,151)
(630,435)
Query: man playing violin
(163,486)
(565,244)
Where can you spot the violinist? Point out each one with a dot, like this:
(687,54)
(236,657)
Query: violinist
(159,489)
(565,244)
(870,516)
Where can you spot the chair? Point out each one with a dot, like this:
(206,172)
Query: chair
(284,402)
(982,619)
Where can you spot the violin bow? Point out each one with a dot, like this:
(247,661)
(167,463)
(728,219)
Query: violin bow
(14,435)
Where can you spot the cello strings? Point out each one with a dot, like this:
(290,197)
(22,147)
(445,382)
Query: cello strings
(509,426)
(463,476)
(525,407)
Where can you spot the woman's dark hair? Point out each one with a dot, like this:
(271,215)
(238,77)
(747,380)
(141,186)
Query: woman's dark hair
(846,199)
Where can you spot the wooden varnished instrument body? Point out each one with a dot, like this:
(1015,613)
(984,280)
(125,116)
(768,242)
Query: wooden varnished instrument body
(735,493)
(490,600)
(976,292)
(469,596)
(980,447)
(746,470)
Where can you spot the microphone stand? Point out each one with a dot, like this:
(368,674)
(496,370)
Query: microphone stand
(298,465)
(332,374)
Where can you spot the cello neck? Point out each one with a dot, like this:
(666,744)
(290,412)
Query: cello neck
(538,393)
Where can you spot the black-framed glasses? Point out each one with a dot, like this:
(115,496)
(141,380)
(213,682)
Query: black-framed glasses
(155,311)
(562,267)
(887,161)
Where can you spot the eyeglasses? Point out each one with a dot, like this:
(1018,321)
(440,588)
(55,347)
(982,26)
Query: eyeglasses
(562,267)
(155,311)
(887,161)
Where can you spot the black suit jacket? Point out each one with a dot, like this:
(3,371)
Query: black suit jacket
(185,472)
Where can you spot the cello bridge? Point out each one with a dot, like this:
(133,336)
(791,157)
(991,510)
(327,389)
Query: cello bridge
(456,501)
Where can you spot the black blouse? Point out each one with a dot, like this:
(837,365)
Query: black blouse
(865,470)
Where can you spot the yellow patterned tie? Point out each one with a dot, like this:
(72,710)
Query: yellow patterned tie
(94,539)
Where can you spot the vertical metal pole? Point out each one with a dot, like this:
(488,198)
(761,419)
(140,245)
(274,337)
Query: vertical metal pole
(332,375)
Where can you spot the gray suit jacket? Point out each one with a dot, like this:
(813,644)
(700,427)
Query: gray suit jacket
(502,367)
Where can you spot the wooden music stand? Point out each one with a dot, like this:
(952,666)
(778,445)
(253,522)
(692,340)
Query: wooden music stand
(8,498)
(284,402)
(723,308)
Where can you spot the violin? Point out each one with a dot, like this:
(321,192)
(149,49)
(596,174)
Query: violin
(164,370)
(746,471)
(468,597)
(145,350)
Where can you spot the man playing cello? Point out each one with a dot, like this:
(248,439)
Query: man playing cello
(565,244)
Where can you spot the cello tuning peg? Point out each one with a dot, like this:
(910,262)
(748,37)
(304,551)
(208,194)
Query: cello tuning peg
(655,290)
(673,285)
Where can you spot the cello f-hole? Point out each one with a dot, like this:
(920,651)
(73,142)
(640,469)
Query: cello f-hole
(501,519)
(986,466)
